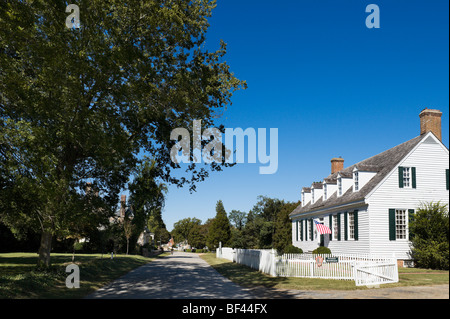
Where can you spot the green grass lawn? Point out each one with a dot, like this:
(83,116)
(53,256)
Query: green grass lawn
(247,277)
(19,277)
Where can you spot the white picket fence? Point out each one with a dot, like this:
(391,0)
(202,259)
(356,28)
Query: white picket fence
(365,269)
(263,260)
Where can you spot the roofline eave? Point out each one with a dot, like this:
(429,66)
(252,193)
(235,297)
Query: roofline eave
(331,209)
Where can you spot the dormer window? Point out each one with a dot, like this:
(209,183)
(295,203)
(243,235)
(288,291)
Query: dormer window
(312,196)
(339,183)
(356,181)
(325,192)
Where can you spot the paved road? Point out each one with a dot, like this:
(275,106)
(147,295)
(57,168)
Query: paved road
(187,276)
(178,276)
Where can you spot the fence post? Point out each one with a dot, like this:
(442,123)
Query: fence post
(273,255)
(220,249)
(394,260)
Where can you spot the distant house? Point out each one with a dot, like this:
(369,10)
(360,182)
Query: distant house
(368,205)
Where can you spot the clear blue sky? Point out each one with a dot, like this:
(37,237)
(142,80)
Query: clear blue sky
(329,84)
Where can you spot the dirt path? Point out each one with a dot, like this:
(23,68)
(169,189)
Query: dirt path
(415,292)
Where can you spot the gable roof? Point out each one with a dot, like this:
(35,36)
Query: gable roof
(382,164)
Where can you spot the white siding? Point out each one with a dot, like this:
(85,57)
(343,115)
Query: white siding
(346,184)
(431,161)
(331,189)
(317,192)
(336,246)
(306,198)
(365,177)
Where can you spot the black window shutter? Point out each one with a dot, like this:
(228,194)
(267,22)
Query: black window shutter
(355,214)
(410,219)
(306,230)
(413,173)
(330,224)
(392,235)
(296,230)
(400,177)
(339,226)
(301,230)
(311,229)
(345,226)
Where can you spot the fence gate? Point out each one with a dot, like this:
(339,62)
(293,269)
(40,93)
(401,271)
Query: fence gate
(367,273)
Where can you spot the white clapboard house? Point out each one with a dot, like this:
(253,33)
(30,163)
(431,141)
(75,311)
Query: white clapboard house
(367,206)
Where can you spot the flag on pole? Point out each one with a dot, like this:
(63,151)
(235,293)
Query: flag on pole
(322,229)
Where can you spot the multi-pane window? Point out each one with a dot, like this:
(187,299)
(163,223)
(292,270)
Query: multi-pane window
(351,225)
(406,177)
(339,183)
(325,192)
(356,180)
(311,230)
(335,227)
(400,223)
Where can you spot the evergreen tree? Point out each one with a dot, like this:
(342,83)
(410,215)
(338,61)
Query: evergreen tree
(220,229)
(282,237)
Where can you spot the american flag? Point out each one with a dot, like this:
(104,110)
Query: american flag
(322,228)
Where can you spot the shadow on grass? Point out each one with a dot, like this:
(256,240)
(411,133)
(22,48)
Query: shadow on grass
(20,278)
(265,286)
(261,285)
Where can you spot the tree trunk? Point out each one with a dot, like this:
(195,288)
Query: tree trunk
(127,244)
(44,249)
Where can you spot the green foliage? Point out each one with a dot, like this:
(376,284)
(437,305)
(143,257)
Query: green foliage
(77,246)
(267,225)
(220,229)
(78,105)
(429,230)
(322,250)
(237,219)
(156,225)
(197,236)
(291,249)
(20,279)
(282,237)
(147,198)
(183,229)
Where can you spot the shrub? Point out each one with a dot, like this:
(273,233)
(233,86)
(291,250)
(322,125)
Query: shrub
(291,249)
(429,235)
(78,246)
(322,250)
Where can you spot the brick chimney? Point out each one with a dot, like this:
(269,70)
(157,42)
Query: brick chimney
(337,164)
(123,201)
(430,121)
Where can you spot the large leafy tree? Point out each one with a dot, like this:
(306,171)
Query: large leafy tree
(147,197)
(260,226)
(183,229)
(77,105)
(156,225)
